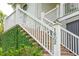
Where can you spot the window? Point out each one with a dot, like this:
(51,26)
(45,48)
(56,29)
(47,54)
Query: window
(71,7)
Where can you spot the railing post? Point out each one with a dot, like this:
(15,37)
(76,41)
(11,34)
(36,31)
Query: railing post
(57,40)
(58,11)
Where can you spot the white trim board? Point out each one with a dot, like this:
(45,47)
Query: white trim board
(68,16)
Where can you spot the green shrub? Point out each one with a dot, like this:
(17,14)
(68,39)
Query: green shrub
(31,51)
(13,43)
(1,51)
(23,51)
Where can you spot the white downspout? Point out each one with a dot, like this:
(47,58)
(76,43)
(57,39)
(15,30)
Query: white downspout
(61,9)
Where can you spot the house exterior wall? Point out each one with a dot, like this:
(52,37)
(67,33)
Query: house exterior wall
(48,6)
(36,8)
(31,8)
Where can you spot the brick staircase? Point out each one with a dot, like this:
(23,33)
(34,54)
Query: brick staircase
(66,52)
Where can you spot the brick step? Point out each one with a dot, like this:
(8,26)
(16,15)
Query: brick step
(66,52)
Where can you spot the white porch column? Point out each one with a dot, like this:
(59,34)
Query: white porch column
(61,9)
(57,49)
(58,10)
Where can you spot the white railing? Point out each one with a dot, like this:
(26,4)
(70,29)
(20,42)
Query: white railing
(50,16)
(47,21)
(70,41)
(53,14)
(41,32)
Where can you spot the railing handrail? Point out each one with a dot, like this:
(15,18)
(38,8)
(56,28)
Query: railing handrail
(36,19)
(50,10)
(70,32)
(49,20)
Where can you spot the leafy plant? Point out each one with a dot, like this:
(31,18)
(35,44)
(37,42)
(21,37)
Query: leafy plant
(1,51)
(31,51)
(23,51)
(2,16)
(13,43)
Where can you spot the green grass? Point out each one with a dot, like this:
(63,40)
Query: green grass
(13,42)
